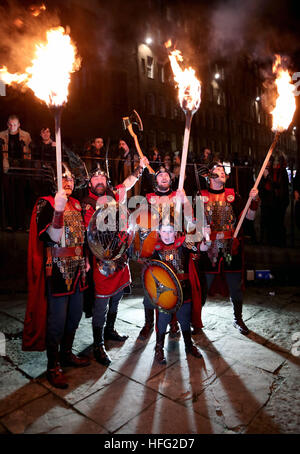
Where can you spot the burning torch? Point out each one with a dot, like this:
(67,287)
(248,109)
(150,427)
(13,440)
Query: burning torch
(282,116)
(189,94)
(49,78)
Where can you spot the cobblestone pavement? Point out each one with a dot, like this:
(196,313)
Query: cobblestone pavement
(245,385)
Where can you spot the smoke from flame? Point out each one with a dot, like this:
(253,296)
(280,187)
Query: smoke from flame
(49,73)
(285,102)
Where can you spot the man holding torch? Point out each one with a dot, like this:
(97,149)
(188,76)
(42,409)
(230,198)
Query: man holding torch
(56,280)
(107,286)
(225,256)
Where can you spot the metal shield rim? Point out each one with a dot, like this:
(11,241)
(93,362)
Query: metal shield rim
(179,287)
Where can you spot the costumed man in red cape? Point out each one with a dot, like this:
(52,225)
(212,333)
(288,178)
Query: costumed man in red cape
(225,256)
(177,252)
(109,284)
(163,194)
(56,280)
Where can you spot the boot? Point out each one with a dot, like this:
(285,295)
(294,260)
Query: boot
(55,375)
(195,331)
(238,320)
(159,349)
(67,358)
(174,329)
(190,347)
(149,323)
(109,331)
(100,353)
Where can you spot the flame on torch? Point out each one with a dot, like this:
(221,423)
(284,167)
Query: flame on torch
(282,117)
(49,78)
(189,94)
(189,87)
(49,73)
(285,102)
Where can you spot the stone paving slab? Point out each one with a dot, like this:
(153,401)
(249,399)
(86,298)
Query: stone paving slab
(18,391)
(6,366)
(167,417)
(215,326)
(84,382)
(249,384)
(115,406)
(140,365)
(293,309)
(223,308)
(9,325)
(49,415)
(32,363)
(235,397)
(119,350)
(283,408)
(132,314)
(273,298)
(189,376)
(248,352)
(17,311)
(277,328)
(135,301)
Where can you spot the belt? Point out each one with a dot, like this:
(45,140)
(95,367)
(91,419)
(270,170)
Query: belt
(222,235)
(65,251)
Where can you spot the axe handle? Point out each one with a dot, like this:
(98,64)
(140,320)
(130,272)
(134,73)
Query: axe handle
(137,145)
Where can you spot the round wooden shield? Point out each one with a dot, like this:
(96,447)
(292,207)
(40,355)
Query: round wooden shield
(162,286)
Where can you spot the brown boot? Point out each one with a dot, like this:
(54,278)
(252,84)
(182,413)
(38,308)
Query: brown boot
(109,331)
(159,349)
(147,329)
(238,320)
(190,347)
(55,375)
(67,358)
(100,354)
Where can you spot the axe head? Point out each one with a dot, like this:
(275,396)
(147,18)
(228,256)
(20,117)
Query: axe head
(133,119)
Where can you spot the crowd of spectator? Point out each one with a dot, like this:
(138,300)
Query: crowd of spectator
(23,176)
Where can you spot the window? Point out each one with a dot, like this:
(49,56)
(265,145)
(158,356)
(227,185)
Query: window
(143,64)
(162,110)
(161,73)
(150,104)
(150,67)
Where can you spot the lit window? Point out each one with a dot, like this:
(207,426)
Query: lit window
(150,67)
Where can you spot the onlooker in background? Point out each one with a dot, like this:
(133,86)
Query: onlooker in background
(204,159)
(15,152)
(274,195)
(95,155)
(127,161)
(205,156)
(43,152)
(47,146)
(176,169)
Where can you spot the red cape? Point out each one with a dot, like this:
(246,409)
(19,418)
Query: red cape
(35,323)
